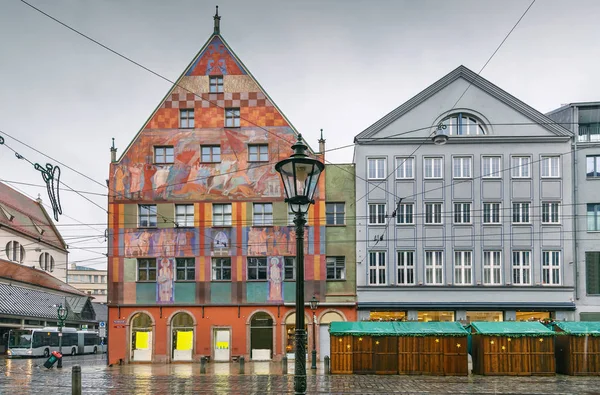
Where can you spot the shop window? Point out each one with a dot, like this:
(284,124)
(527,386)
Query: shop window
(489,316)
(427,316)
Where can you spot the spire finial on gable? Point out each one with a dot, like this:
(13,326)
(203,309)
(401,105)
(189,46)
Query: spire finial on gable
(217,19)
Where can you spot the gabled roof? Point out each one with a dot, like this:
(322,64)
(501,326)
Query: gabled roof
(27,275)
(511,328)
(475,80)
(28,217)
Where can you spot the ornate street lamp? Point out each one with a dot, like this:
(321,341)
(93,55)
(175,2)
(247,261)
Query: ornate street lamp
(62,316)
(314,303)
(300,175)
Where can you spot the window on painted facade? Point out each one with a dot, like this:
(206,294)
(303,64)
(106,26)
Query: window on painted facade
(589,123)
(520,166)
(463,124)
(377,213)
(592,273)
(405,214)
(551,267)
(336,267)
(232,117)
(185,269)
(463,267)
(221,269)
(434,267)
(550,212)
(211,153)
(164,155)
(215,83)
(491,213)
(377,264)
(550,167)
(462,213)
(146,269)
(258,153)
(15,252)
(147,215)
(257,269)
(335,213)
(492,267)
(461,167)
(262,214)
(186,118)
(289,268)
(521,267)
(376,168)
(184,215)
(487,316)
(46,262)
(593,166)
(428,316)
(433,213)
(593,217)
(221,214)
(433,168)
(405,267)
(491,166)
(520,213)
(405,168)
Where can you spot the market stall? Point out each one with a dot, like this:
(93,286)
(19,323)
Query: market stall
(577,348)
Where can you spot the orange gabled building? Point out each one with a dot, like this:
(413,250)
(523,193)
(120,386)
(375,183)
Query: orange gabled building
(201,246)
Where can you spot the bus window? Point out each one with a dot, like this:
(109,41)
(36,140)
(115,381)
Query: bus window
(19,339)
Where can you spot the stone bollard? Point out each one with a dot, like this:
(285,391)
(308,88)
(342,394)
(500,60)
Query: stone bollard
(284,365)
(203,365)
(326,363)
(242,364)
(76,380)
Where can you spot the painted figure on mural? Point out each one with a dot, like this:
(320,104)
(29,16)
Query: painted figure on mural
(165,280)
(136,177)
(137,243)
(275,280)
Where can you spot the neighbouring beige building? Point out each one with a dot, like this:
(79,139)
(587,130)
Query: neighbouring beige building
(89,280)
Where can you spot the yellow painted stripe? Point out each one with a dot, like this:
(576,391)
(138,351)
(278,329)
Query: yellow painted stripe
(244,212)
(317,267)
(196,214)
(207,215)
(121,223)
(115,270)
(201,268)
(239,268)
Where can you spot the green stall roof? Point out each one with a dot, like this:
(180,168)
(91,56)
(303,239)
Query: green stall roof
(580,328)
(373,328)
(511,328)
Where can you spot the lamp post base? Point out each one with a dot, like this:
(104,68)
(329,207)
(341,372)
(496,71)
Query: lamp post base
(300,373)
(313,364)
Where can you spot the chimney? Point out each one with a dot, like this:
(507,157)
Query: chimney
(321,143)
(113,152)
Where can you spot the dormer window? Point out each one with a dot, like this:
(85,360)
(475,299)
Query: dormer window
(463,124)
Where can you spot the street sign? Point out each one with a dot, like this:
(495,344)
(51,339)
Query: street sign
(102,324)
(119,322)
(102,332)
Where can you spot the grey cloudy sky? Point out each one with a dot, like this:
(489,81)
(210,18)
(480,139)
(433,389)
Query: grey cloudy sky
(336,65)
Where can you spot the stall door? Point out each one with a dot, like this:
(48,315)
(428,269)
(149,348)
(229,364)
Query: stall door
(324,340)
(222,344)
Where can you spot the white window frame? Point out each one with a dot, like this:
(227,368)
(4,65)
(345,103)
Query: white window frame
(462,213)
(521,213)
(232,117)
(261,154)
(463,267)
(494,167)
(258,266)
(185,120)
(152,213)
(550,166)
(433,167)
(265,215)
(462,167)
(377,268)
(405,267)
(520,166)
(215,83)
(183,217)
(379,215)
(210,153)
(551,212)
(378,167)
(405,214)
(521,267)
(551,267)
(333,210)
(434,267)
(338,265)
(593,217)
(164,154)
(222,214)
(405,167)
(434,213)
(15,252)
(492,267)
(489,215)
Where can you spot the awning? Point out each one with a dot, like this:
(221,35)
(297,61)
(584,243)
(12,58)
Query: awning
(371,328)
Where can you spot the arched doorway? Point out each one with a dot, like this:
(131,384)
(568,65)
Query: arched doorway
(290,335)
(141,337)
(324,339)
(261,337)
(182,333)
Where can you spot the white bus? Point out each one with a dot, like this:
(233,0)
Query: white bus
(40,342)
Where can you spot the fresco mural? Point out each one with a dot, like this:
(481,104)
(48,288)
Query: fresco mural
(215,60)
(275,276)
(160,242)
(164,280)
(220,241)
(273,240)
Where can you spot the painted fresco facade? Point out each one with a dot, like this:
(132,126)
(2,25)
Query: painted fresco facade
(201,246)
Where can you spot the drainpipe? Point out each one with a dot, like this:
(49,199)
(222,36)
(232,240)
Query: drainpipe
(575,203)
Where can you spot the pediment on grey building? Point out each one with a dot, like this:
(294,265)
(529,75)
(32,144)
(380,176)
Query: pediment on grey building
(489,110)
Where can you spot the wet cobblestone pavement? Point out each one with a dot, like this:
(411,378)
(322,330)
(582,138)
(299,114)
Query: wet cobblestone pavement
(28,376)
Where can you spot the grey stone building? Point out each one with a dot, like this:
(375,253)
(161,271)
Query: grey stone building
(477,229)
(583,119)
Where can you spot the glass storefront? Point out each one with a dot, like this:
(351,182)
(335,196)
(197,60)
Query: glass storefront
(532,315)
(387,315)
(426,316)
(489,316)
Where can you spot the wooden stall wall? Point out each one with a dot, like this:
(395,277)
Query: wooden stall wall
(431,358)
(408,355)
(578,355)
(386,354)
(341,355)
(362,358)
(456,359)
(542,356)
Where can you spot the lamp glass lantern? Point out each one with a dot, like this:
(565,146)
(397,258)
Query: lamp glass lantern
(314,303)
(62,312)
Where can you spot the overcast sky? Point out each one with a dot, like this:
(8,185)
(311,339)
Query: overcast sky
(336,65)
